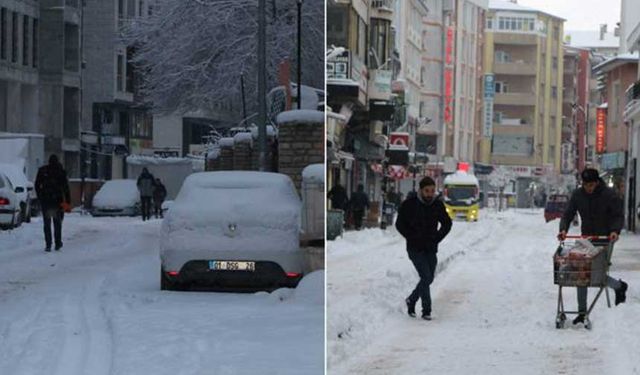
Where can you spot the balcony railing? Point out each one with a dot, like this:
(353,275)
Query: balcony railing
(383,4)
(633,93)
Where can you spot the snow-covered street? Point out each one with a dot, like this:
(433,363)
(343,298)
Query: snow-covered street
(96,308)
(494,305)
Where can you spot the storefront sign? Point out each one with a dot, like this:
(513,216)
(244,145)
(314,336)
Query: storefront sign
(601,123)
(448,76)
(489,93)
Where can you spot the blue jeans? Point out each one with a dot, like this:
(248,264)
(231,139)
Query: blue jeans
(425,263)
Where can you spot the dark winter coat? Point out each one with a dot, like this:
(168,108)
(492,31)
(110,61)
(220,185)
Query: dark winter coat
(338,197)
(418,223)
(52,186)
(146,183)
(359,201)
(159,193)
(600,212)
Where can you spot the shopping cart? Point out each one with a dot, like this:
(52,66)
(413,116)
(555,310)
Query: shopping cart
(585,271)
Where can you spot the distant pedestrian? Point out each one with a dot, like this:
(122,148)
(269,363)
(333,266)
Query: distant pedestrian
(159,195)
(417,221)
(338,197)
(52,188)
(358,204)
(146,183)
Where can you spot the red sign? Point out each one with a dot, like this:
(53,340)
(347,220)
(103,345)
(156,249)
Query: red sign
(601,123)
(448,77)
(399,139)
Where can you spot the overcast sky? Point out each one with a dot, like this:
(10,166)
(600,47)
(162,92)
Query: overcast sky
(580,14)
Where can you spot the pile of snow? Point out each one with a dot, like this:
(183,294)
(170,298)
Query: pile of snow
(302,116)
(213,153)
(243,138)
(154,160)
(271,131)
(314,173)
(461,178)
(311,288)
(117,194)
(226,142)
(261,205)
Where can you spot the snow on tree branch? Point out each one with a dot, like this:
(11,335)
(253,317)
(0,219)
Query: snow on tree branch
(194,52)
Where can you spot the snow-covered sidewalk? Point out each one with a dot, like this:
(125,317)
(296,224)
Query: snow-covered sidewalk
(494,305)
(96,308)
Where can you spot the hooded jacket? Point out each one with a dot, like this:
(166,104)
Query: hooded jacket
(601,212)
(418,223)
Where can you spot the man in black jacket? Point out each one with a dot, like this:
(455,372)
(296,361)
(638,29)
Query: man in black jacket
(52,188)
(601,214)
(417,221)
(358,203)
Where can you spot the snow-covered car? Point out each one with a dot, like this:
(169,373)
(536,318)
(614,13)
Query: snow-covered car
(117,198)
(235,230)
(22,187)
(9,204)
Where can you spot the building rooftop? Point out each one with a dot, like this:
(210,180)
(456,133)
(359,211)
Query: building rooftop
(591,39)
(514,7)
(616,61)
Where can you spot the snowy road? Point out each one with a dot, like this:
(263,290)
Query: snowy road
(494,305)
(96,308)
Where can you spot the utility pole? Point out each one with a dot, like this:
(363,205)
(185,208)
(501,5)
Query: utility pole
(244,105)
(262,85)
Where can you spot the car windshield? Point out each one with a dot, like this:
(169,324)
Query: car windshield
(1,181)
(461,192)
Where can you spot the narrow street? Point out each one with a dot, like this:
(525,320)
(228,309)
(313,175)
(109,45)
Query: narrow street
(494,305)
(96,308)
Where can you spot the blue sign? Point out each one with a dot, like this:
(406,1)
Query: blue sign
(489,86)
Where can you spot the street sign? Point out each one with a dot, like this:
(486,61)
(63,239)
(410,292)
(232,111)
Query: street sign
(399,139)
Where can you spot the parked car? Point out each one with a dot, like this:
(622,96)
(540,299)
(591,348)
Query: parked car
(9,204)
(23,189)
(233,231)
(555,206)
(117,198)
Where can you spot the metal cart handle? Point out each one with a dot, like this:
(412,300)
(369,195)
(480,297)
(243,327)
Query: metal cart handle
(588,237)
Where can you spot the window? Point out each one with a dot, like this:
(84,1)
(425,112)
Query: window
(554,62)
(554,92)
(121,9)
(120,75)
(556,32)
(379,42)
(35,44)
(503,57)
(489,23)
(3,34)
(149,10)
(501,87)
(14,37)
(25,40)
(552,122)
(141,8)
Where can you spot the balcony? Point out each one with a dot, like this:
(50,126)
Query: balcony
(382,9)
(501,37)
(632,107)
(515,68)
(517,99)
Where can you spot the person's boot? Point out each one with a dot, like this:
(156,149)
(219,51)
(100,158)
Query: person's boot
(426,315)
(47,248)
(411,308)
(58,246)
(579,319)
(621,293)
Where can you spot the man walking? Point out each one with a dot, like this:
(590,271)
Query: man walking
(418,220)
(52,188)
(601,214)
(338,197)
(359,202)
(146,184)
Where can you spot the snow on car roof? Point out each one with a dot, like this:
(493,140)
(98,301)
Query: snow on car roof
(15,174)
(146,160)
(304,116)
(314,173)
(117,193)
(461,178)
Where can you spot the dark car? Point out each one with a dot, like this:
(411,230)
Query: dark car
(555,206)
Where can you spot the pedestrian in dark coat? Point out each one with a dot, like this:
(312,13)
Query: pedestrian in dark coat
(601,214)
(358,204)
(338,197)
(159,195)
(146,184)
(423,221)
(52,188)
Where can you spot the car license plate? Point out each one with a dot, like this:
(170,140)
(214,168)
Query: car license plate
(228,265)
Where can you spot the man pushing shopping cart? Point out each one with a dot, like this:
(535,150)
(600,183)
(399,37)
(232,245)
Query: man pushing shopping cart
(602,218)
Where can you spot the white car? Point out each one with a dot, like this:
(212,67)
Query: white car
(22,187)
(9,204)
(117,198)
(235,230)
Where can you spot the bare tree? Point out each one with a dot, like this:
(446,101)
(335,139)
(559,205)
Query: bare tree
(193,52)
(499,179)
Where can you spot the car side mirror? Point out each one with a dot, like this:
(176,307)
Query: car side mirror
(19,189)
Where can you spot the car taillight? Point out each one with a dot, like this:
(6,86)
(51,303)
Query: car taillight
(293,274)
(4,201)
(173,273)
